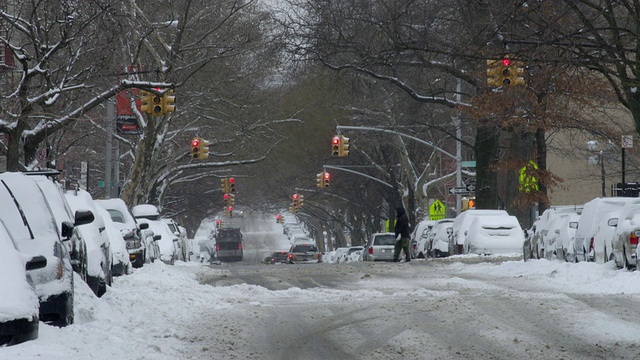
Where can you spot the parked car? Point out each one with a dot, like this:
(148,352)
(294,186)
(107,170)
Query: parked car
(380,247)
(304,253)
(181,233)
(28,219)
(625,239)
(494,234)
(592,212)
(565,235)
(440,238)
(540,228)
(346,255)
(339,253)
(19,303)
(601,242)
(138,246)
(62,213)
(167,242)
(419,237)
(120,265)
(99,255)
(461,225)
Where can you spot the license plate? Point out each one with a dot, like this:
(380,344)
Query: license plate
(386,251)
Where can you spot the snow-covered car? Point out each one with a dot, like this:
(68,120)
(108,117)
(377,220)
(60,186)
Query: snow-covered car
(592,212)
(380,247)
(182,243)
(167,242)
(339,254)
(625,240)
(494,234)
(19,320)
(121,265)
(461,225)
(565,235)
(99,255)
(541,231)
(149,241)
(130,230)
(439,238)
(355,254)
(27,217)
(62,212)
(419,237)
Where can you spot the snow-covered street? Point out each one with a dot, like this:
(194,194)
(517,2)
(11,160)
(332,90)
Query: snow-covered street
(461,307)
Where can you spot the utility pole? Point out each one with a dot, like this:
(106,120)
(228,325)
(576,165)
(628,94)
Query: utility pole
(108,162)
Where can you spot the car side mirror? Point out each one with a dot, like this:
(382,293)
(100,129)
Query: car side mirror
(83,217)
(143,226)
(67,230)
(613,222)
(36,262)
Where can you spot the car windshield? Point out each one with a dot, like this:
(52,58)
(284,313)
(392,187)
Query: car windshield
(384,240)
(304,248)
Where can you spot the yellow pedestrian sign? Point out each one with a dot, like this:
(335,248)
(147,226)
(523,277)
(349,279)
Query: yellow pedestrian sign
(437,210)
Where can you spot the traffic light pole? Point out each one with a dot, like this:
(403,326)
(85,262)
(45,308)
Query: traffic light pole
(357,173)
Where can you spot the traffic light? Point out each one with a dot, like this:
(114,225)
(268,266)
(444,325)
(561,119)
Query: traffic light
(295,201)
(195,148)
(344,146)
(465,204)
(204,149)
(472,203)
(232,199)
(300,200)
(145,102)
(230,210)
(335,146)
(224,185)
(225,198)
(494,73)
(278,217)
(326,180)
(218,224)
(319,180)
(232,185)
(168,102)
(505,72)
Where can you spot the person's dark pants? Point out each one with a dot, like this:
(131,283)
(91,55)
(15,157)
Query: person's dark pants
(402,244)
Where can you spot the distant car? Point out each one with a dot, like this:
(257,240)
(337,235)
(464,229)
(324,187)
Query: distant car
(137,246)
(19,320)
(539,239)
(461,225)
(279,257)
(304,253)
(497,234)
(380,247)
(121,264)
(419,237)
(181,234)
(28,218)
(340,253)
(167,242)
(348,255)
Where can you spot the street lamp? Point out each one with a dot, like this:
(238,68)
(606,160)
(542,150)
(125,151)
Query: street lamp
(597,158)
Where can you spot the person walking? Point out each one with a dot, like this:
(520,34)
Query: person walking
(402,230)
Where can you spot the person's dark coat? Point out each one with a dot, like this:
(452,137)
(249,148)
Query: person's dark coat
(402,223)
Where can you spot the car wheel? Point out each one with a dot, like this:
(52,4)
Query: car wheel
(625,262)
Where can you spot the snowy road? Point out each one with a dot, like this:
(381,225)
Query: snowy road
(464,307)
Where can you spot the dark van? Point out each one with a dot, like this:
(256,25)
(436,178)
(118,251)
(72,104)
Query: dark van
(229,244)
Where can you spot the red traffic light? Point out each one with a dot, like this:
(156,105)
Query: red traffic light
(195,143)
(230,208)
(226,196)
(232,180)
(326,176)
(295,196)
(218,221)
(278,216)
(335,141)
(506,62)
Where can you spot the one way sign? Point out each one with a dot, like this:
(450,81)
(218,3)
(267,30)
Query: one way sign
(459,191)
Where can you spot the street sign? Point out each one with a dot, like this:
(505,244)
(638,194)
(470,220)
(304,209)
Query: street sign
(468,163)
(471,187)
(459,191)
(437,210)
(627,141)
